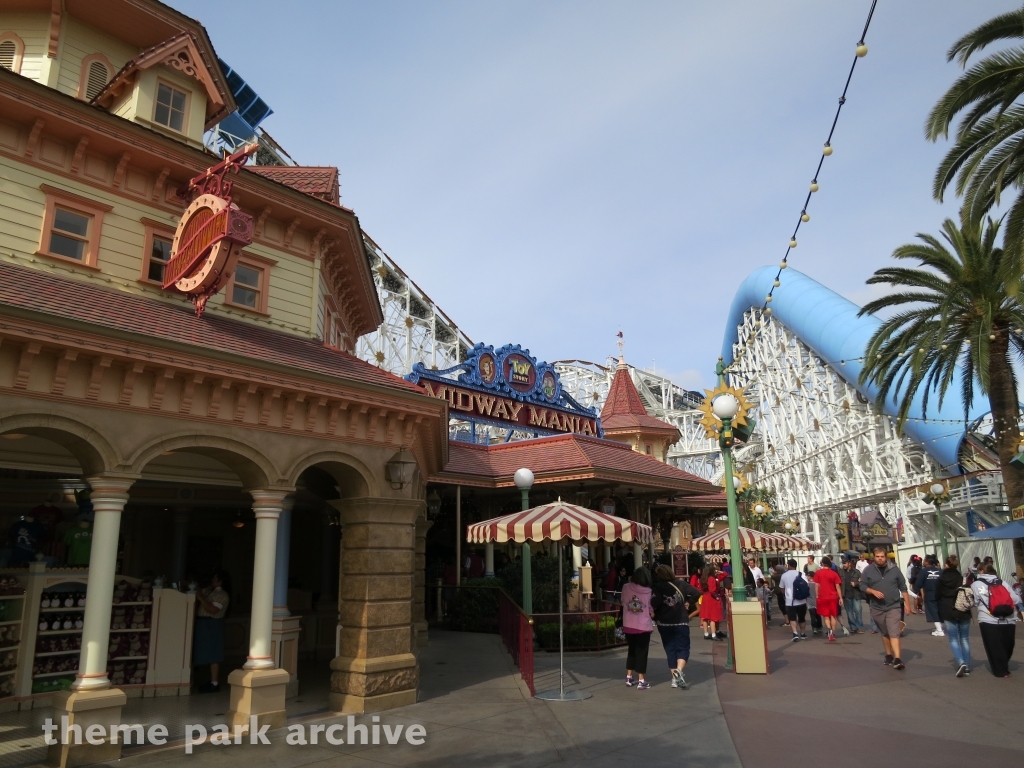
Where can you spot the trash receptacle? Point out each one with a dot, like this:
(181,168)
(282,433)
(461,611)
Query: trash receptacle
(748,638)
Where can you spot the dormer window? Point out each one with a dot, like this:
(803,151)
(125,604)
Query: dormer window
(170,107)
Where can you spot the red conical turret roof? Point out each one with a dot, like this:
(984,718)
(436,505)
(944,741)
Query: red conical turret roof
(625,410)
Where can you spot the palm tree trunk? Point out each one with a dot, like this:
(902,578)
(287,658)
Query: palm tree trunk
(1002,394)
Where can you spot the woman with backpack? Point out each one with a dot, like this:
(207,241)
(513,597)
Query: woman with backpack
(671,601)
(951,592)
(711,612)
(997,619)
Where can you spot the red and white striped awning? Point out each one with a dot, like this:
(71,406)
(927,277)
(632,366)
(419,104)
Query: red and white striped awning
(559,521)
(750,541)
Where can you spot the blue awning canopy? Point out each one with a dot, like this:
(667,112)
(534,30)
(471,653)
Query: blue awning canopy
(1014,530)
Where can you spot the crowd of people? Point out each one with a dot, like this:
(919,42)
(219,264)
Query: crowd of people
(822,591)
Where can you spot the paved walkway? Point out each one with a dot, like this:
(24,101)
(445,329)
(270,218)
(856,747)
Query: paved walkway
(839,703)
(477,711)
(831,702)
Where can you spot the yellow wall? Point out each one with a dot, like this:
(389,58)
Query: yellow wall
(291,296)
(79,40)
(145,101)
(34,30)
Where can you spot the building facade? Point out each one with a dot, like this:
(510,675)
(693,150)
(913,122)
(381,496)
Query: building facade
(111,384)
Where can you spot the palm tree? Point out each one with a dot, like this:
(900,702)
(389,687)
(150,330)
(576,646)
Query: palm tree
(987,156)
(952,313)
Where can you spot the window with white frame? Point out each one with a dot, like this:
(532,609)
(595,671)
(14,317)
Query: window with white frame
(170,108)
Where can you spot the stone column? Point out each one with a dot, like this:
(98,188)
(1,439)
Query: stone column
(108,496)
(91,700)
(179,545)
(376,669)
(419,596)
(638,555)
(258,689)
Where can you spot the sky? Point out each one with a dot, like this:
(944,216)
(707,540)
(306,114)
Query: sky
(551,172)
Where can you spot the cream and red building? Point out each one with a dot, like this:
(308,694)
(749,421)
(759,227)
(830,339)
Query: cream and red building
(179,425)
(237,439)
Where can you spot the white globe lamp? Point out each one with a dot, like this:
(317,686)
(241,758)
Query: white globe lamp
(937,489)
(725,406)
(523,479)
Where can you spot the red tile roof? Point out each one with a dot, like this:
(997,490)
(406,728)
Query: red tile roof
(319,181)
(623,408)
(560,455)
(708,501)
(37,291)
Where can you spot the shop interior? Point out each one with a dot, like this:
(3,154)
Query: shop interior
(186,518)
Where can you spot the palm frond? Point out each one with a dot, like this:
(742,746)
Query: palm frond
(1007,26)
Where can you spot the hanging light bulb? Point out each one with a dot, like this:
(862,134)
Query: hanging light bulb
(792,242)
(805,217)
(814,185)
(827,151)
(991,337)
(783,265)
(777,283)
(768,299)
(861,50)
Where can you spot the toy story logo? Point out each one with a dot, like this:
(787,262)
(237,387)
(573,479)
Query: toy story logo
(508,386)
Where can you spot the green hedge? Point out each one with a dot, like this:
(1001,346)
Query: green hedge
(582,634)
(474,610)
(544,577)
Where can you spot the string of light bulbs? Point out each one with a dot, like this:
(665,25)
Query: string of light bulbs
(860,52)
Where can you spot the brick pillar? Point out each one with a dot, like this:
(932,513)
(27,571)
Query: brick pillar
(419,595)
(376,668)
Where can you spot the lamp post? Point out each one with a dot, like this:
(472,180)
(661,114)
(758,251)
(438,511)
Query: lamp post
(937,490)
(725,407)
(523,479)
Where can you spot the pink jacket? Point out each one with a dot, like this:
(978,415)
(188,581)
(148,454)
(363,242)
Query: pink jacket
(636,608)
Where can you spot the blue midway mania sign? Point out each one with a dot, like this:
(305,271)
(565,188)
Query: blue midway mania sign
(508,387)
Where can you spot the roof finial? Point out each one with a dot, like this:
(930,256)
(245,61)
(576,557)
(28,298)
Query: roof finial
(622,343)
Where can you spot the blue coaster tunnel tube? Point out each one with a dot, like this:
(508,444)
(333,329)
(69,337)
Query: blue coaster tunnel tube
(828,324)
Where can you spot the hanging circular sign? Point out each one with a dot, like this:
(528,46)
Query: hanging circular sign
(520,373)
(210,235)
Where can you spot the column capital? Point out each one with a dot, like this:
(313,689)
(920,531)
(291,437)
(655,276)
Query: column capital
(109,494)
(269,502)
(379,510)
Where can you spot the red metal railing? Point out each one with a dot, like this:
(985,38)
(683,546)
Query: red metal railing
(516,630)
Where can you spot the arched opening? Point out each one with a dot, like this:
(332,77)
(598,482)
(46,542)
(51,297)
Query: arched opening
(190,516)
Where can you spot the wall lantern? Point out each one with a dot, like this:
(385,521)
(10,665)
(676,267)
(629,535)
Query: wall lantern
(400,468)
(433,504)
